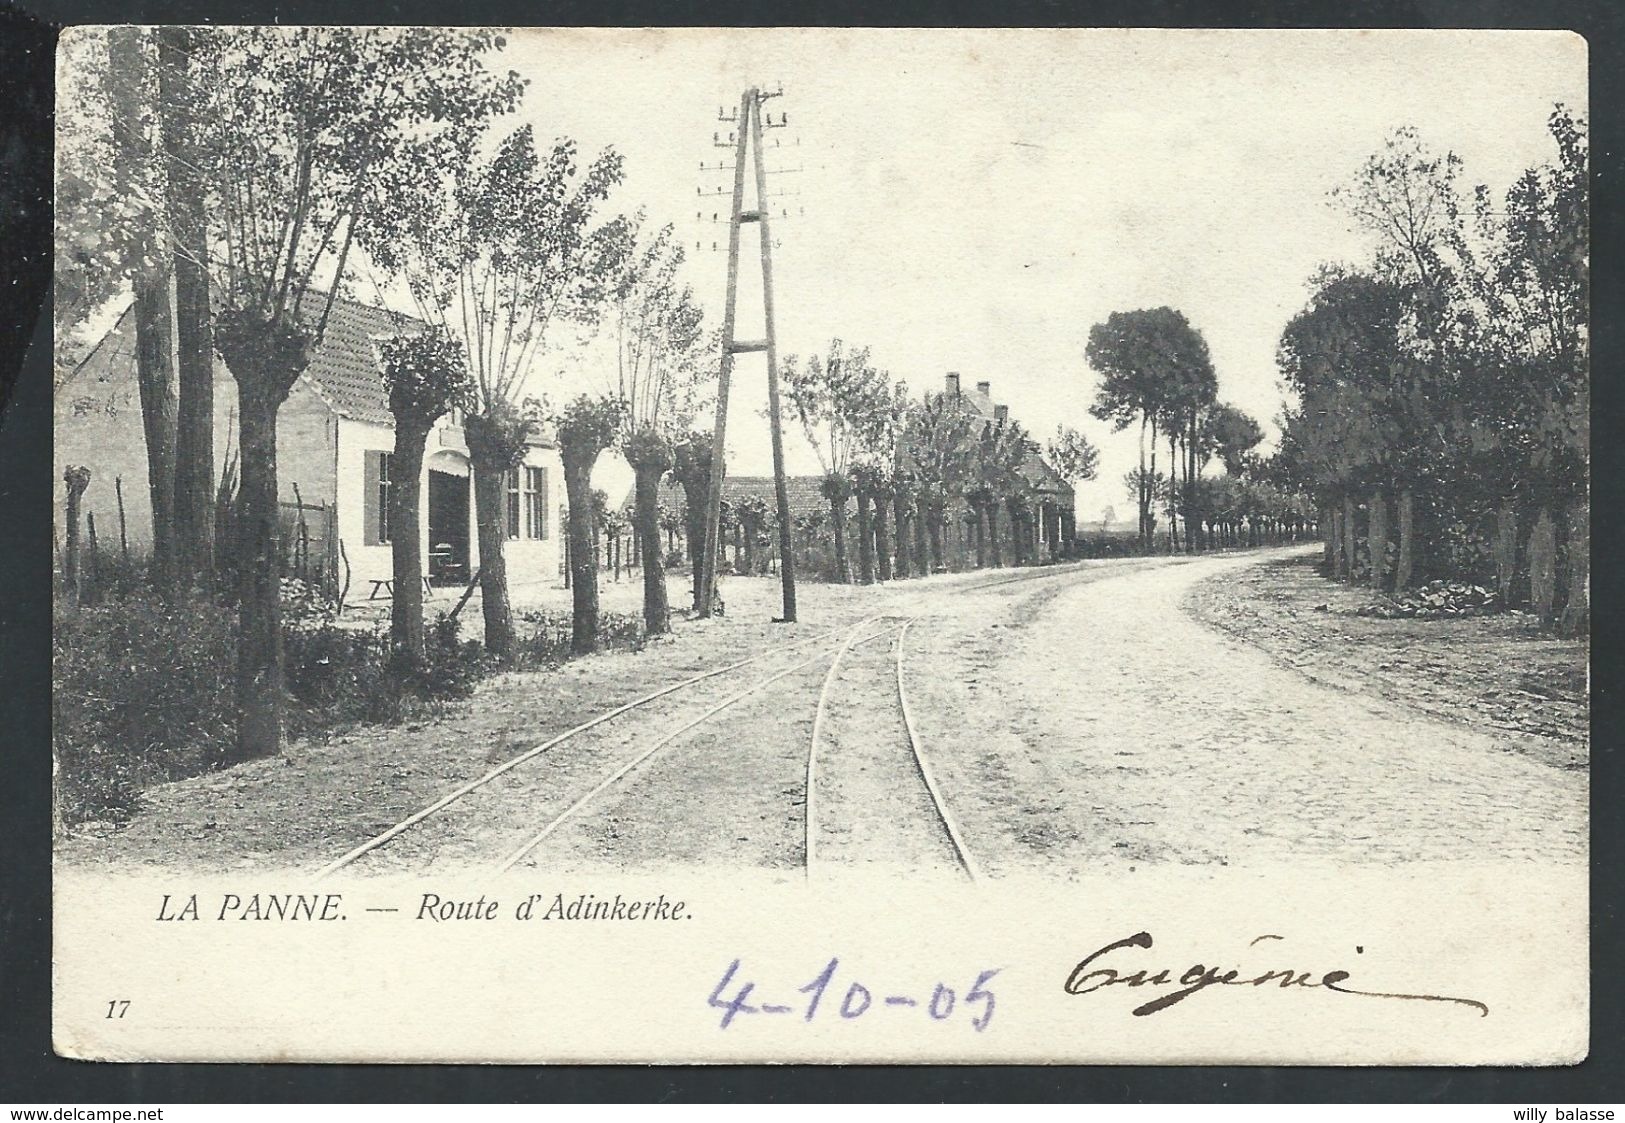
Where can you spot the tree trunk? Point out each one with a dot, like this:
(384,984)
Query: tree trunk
(1543,568)
(1377,539)
(1018,556)
(979,513)
(922,534)
(194,422)
(1405,562)
(584,556)
(1349,540)
(1576,619)
(76,480)
(995,551)
(259,572)
(866,541)
(882,539)
(490,496)
(1506,550)
(155,376)
(1328,541)
(406,541)
(837,522)
(694,496)
(1339,558)
(934,533)
(133,109)
(900,517)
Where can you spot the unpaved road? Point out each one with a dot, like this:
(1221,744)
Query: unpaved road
(1075,718)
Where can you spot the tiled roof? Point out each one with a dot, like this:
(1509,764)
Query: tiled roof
(344,368)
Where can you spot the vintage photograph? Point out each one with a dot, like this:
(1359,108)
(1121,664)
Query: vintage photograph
(868,456)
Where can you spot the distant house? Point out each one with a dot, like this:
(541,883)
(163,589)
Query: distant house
(334,438)
(1051,496)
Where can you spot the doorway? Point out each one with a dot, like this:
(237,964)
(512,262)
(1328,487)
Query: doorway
(448,528)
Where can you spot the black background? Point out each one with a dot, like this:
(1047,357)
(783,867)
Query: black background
(30,1074)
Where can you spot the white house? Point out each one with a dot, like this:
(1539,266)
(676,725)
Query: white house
(334,437)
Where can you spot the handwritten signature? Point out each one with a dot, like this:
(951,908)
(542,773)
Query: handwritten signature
(1089,976)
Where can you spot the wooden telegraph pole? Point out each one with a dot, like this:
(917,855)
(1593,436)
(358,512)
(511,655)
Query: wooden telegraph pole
(749,123)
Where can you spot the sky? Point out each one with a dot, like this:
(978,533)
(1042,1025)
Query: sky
(975,200)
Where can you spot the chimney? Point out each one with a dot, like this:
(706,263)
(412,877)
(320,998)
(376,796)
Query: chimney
(1001,414)
(985,389)
(951,384)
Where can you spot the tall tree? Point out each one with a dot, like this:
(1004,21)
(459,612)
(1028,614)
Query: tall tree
(1233,434)
(307,137)
(194,500)
(1145,359)
(499,252)
(137,116)
(660,357)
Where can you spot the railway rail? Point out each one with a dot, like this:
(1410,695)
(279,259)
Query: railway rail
(916,752)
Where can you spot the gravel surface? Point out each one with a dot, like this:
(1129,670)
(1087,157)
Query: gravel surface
(1074,716)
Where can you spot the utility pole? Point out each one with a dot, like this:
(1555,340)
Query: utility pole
(749,126)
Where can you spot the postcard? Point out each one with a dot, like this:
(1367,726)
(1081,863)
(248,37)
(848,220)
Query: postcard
(818,544)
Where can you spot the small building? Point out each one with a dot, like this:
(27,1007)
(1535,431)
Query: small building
(334,438)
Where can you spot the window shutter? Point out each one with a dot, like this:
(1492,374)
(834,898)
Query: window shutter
(369,496)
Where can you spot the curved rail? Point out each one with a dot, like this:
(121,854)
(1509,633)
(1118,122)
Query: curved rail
(960,850)
(609,781)
(809,819)
(458,793)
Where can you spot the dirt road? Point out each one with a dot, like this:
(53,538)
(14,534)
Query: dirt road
(1072,718)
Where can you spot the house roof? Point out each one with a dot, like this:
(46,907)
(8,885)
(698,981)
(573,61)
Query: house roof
(344,370)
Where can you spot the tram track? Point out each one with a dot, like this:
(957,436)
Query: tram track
(915,751)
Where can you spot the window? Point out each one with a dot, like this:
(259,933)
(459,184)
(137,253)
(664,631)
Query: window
(376,497)
(512,510)
(535,495)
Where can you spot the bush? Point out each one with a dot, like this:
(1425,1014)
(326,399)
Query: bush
(142,691)
(548,641)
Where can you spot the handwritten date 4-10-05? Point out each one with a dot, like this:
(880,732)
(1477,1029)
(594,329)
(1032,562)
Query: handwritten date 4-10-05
(850,998)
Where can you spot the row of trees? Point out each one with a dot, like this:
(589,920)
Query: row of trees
(1156,373)
(904,463)
(237,181)
(1443,388)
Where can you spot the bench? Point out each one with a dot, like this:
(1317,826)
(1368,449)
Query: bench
(383,588)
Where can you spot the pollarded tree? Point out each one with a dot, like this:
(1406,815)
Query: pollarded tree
(1010,484)
(499,251)
(305,135)
(586,427)
(660,356)
(691,465)
(836,398)
(425,376)
(940,442)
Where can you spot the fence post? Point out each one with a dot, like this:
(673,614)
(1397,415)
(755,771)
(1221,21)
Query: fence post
(93,564)
(123,538)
